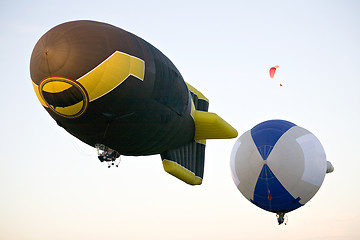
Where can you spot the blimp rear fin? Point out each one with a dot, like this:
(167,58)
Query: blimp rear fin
(209,125)
(186,163)
(329,167)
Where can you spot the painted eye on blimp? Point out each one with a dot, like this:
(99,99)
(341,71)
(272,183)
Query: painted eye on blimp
(64,97)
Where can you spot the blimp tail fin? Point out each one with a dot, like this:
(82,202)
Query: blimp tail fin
(208,125)
(186,163)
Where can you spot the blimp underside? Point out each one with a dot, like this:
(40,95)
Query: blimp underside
(109,87)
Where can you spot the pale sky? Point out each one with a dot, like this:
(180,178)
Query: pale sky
(53,187)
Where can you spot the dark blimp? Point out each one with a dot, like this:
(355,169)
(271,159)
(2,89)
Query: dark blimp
(118,93)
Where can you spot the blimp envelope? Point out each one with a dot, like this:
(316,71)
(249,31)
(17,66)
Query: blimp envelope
(278,165)
(118,93)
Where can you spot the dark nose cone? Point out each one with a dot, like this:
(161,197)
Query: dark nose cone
(71,50)
(49,55)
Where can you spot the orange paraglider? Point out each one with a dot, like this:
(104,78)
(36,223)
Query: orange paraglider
(272,71)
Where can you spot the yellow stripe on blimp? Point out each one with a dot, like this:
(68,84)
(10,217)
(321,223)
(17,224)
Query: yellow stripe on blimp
(111,73)
(38,95)
(105,77)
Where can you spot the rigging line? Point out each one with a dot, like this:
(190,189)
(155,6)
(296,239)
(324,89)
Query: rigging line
(267,184)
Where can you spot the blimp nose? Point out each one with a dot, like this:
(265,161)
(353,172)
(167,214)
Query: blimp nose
(49,56)
(78,62)
(69,50)
(62,56)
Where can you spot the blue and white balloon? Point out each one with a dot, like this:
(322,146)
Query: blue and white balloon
(278,166)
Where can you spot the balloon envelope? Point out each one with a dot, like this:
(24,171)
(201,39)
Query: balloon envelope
(278,165)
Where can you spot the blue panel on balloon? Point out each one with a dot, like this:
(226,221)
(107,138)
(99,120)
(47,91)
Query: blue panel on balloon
(271,195)
(266,134)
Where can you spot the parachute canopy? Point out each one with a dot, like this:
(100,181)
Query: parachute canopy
(272,71)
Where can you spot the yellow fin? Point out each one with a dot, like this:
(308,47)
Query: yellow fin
(181,173)
(197,92)
(209,125)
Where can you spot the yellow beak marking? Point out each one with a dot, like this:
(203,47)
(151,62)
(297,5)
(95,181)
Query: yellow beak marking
(111,73)
(98,82)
